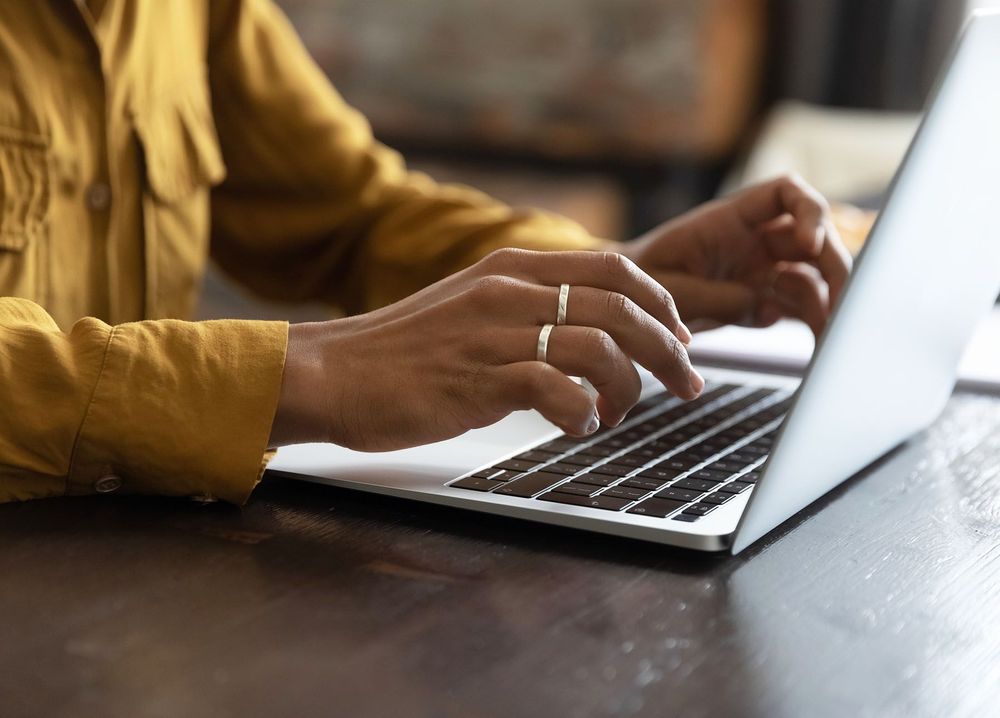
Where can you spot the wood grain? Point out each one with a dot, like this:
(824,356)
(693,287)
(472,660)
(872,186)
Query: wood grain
(880,601)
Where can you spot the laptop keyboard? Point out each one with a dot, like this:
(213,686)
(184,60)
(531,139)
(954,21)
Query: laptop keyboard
(669,459)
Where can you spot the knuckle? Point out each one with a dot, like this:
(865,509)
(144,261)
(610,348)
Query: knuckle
(792,179)
(797,182)
(489,290)
(508,259)
(668,300)
(621,309)
(678,354)
(535,381)
(599,343)
(502,256)
(618,265)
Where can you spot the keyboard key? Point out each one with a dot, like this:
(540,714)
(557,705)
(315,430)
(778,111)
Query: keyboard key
(580,459)
(505,476)
(562,468)
(643,452)
(684,459)
(735,487)
(475,484)
(487,473)
(685,495)
(558,446)
(685,517)
(632,462)
(709,475)
(515,465)
(596,479)
(578,489)
(675,464)
(696,485)
(699,509)
(614,443)
(719,497)
(661,445)
(730,467)
(750,477)
(638,483)
(613,470)
(602,451)
(623,492)
(660,508)
(701,452)
(536,455)
(660,473)
(608,503)
(650,402)
(529,484)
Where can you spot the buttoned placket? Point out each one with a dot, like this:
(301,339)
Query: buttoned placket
(99,194)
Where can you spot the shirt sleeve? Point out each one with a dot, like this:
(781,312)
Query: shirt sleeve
(313,207)
(156,407)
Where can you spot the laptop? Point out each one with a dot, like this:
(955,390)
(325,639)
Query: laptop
(720,472)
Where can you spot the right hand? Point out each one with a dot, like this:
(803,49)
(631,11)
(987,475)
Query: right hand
(460,354)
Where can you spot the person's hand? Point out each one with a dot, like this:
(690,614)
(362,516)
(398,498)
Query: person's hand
(764,253)
(461,354)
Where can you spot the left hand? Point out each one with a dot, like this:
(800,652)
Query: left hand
(767,252)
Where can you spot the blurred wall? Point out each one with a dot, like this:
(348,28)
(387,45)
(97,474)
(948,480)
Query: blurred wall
(617,80)
(874,54)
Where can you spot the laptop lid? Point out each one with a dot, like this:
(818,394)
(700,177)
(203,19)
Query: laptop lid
(928,274)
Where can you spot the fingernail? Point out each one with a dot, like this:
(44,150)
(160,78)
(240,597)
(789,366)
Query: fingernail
(684,334)
(697,381)
(594,425)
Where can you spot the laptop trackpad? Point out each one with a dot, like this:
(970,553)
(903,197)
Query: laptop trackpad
(421,467)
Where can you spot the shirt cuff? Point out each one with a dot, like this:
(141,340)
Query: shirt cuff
(182,409)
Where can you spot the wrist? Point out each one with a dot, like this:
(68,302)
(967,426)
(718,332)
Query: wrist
(301,415)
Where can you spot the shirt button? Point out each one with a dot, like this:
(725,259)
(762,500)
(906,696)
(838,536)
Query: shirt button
(98,196)
(107,484)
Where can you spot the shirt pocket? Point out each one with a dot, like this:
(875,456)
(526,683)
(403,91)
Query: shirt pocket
(24,212)
(183,161)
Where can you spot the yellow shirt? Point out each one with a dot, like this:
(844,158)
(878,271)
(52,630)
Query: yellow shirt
(138,137)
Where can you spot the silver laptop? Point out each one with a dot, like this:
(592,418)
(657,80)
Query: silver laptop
(720,472)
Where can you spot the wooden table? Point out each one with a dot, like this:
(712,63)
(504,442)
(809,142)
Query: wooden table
(882,600)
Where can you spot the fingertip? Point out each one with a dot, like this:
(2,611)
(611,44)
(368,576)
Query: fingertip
(683,333)
(697,382)
(815,239)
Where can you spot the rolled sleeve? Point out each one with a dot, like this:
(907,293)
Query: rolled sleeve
(182,408)
(157,407)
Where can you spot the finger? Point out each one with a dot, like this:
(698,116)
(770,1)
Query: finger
(786,195)
(583,352)
(539,386)
(604,270)
(833,261)
(631,328)
(803,295)
(722,302)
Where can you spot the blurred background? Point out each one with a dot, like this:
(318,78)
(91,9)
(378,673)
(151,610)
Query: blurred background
(623,113)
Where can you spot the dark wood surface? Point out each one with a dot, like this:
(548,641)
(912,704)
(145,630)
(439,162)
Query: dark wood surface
(881,600)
